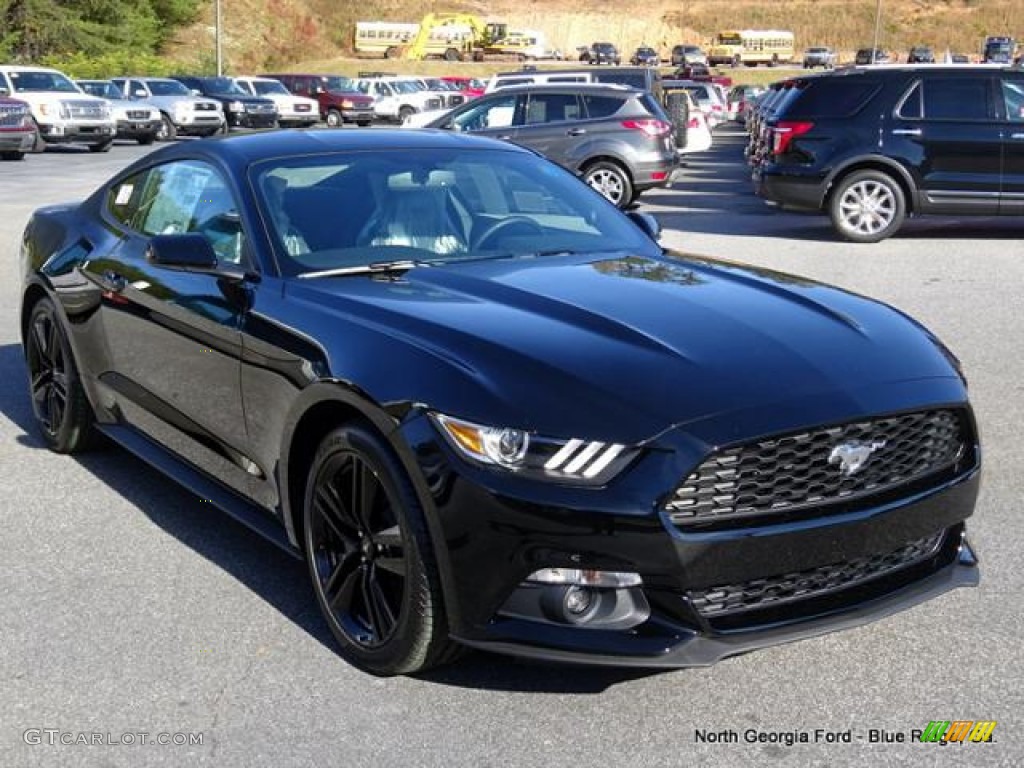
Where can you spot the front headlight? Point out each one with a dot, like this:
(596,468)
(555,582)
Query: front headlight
(576,461)
(236,106)
(347,104)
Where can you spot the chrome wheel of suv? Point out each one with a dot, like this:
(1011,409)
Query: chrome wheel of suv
(867,206)
(611,181)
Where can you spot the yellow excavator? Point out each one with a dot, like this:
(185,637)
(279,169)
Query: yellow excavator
(453,37)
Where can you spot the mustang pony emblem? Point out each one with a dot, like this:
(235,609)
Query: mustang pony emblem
(851,457)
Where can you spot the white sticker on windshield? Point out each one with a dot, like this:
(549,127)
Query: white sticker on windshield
(124,194)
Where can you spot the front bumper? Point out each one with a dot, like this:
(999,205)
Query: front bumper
(252,119)
(689,648)
(492,530)
(137,129)
(17,141)
(81,133)
(359,115)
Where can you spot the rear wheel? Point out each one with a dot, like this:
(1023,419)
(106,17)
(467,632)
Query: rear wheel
(370,557)
(391,52)
(736,61)
(61,409)
(611,180)
(451,55)
(13,155)
(867,206)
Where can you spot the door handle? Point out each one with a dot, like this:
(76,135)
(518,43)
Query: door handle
(906,131)
(576,132)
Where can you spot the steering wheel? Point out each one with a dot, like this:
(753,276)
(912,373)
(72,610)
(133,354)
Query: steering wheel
(501,225)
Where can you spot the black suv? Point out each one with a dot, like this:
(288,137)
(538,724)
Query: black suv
(601,53)
(240,109)
(617,138)
(921,54)
(872,145)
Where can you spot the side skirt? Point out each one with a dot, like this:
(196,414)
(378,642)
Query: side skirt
(158,457)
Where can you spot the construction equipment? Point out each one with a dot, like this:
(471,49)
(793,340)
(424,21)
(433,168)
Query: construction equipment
(453,37)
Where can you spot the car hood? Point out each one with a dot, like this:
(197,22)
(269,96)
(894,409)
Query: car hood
(636,344)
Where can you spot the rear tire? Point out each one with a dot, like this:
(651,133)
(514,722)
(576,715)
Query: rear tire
(867,207)
(370,557)
(611,180)
(62,411)
(13,155)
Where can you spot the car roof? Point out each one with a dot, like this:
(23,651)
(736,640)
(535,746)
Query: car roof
(242,149)
(617,88)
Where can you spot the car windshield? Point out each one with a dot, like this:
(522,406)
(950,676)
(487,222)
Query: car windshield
(105,90)
(348,211)
(167,88)
(266,87)
(337,83)
(405,86)
(222,85)
(25,80)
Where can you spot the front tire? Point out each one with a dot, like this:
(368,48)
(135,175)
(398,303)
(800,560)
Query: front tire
(62,411)
(13,155)
(370,558)
(168,131)
(334,119)
(610,180)
(867,207)
(103,147)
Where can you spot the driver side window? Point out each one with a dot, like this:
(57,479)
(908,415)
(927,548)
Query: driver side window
(180,197)
(498,113)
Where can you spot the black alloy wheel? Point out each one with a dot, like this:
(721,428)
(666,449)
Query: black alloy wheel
(369,557)
(61,409)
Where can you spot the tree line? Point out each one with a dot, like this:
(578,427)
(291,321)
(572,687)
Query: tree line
(36,30)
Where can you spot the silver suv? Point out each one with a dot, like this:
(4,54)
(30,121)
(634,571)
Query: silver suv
(181,112)
(617,138)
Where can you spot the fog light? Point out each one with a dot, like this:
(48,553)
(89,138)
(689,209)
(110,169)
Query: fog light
(586,578)
(578,600)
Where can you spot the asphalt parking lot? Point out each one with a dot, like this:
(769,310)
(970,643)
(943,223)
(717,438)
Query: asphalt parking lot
(129,608)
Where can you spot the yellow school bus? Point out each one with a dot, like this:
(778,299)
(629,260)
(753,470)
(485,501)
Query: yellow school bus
(751,47)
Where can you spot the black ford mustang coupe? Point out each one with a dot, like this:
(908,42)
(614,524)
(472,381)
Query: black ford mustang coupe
(490,411)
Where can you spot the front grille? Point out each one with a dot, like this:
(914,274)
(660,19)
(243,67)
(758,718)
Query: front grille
(805,471)
(138,114)
(261,109)
(205,107)
(757,594)
(12,115)
(433,103)
(85,110)
(455,99)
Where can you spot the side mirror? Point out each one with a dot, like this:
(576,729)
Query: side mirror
(188,251)
(4,91)
(646,222)
(196,92)
(139,93)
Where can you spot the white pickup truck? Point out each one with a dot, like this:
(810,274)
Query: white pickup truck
(62,112)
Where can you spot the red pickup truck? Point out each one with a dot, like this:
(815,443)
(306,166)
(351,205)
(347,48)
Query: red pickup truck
(17,130)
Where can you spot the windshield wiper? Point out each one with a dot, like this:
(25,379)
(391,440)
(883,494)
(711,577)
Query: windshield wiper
(374,267)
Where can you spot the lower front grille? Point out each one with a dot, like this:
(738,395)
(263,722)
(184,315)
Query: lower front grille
(758,594)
